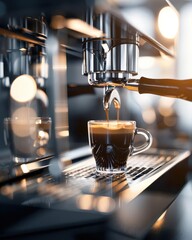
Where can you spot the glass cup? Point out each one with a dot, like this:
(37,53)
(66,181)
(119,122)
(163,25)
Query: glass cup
(112,143)
(27,138)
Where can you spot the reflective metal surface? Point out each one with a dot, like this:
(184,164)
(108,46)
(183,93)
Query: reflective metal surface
(142,170)
(120,201)
(113,58)
(111,96)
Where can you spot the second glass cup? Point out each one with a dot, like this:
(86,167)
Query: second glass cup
(27,138)
(112,143)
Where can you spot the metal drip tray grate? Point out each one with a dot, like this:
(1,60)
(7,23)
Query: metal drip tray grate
(80,181)
(138,167)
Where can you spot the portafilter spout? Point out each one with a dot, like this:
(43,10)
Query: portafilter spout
(111,95)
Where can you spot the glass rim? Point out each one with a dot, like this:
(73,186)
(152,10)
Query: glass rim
(111,122)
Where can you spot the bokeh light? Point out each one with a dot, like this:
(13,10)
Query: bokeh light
(168,22)
(23,88)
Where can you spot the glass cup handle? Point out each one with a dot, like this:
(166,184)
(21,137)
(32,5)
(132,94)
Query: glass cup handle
(146,145)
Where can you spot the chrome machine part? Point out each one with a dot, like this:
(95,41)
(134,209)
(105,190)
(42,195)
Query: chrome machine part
(31,57)
(112,59)
(111,95)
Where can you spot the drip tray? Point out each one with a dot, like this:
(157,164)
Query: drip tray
(151,183)
(138,167)
(125,204)
(142,170)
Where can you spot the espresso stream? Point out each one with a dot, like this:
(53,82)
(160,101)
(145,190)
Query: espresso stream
(107,114)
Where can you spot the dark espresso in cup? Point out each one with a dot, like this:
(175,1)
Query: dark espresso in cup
(111,144)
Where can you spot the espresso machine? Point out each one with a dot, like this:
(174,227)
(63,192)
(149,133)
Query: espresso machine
(112,59)
(60,194)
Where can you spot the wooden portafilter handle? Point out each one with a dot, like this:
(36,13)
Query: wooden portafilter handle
(164,87)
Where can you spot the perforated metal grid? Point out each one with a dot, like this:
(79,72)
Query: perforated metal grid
(138,167)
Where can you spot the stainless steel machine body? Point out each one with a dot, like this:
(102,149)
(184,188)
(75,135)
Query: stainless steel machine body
(113,58)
